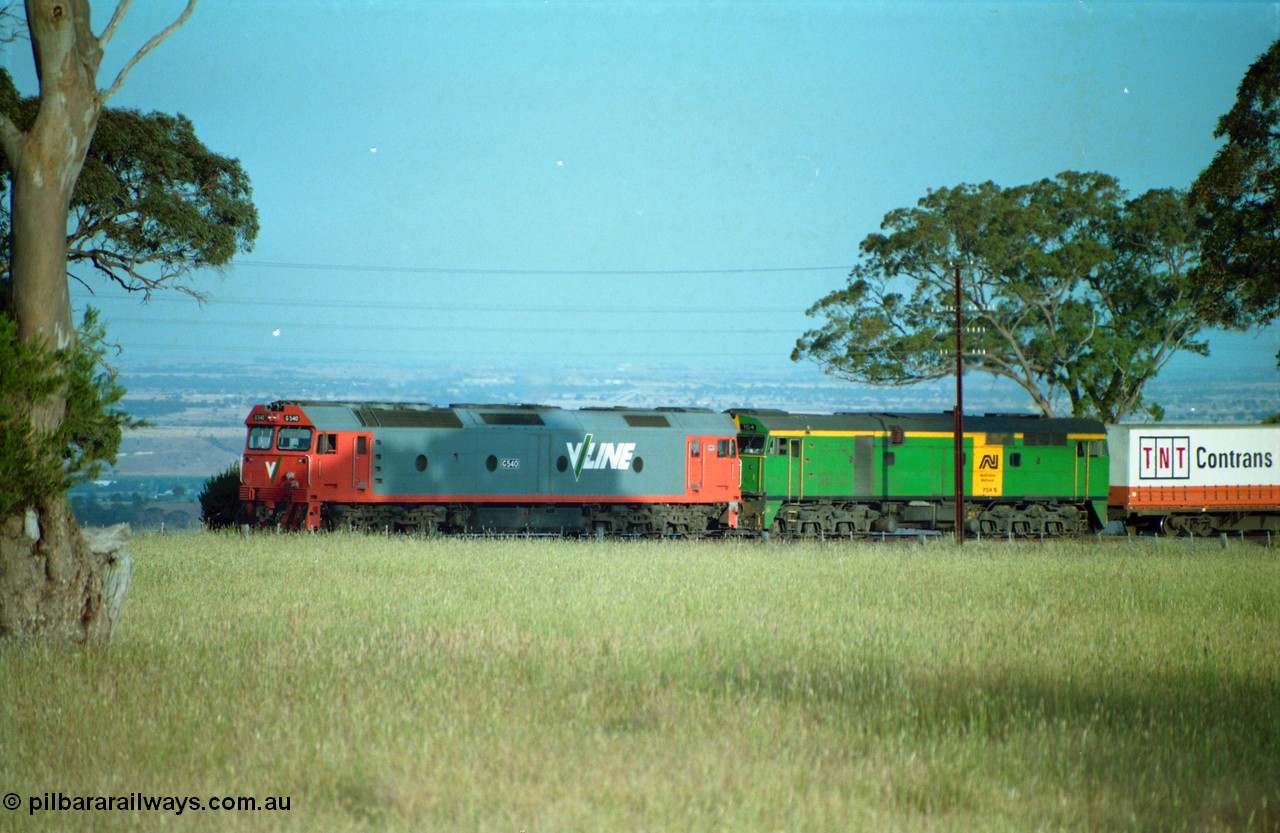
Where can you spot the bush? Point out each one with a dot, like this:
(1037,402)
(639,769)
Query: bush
(220,499)
(39,466)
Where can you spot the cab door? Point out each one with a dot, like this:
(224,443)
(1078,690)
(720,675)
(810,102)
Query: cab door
(361,465)
(1083,467)
(795,467)
(696,464)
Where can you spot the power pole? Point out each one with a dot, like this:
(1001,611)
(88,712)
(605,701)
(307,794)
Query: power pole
(959,420)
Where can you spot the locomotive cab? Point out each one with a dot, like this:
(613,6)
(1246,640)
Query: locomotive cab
(281,456)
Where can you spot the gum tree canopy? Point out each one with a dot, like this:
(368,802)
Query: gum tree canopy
(1071,290)
(152,202)
(136,198)
(1238,196)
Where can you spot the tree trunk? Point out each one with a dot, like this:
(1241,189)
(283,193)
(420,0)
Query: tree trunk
(52,584)
(51,587)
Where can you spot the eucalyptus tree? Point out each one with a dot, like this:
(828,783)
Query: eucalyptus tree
(51,586)
(152,203)
(1071,290)
(1238,196)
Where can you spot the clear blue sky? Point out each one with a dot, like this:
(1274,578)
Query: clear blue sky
(464,182)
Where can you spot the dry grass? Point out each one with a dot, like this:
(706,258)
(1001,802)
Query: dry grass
(553,686)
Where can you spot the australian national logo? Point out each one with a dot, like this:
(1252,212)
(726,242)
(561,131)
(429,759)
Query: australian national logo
(594,456)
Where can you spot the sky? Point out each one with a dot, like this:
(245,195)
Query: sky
(632,185)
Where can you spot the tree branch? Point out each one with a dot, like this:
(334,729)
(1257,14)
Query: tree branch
(11,30)
(155,41)
(10,141)
(121,10)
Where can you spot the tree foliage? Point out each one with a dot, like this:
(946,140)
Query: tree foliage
(1069,289)
(152,203)
(1238,196)
(38,465)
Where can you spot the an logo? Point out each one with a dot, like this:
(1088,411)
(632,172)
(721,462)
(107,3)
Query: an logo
(989,461)
(594,456)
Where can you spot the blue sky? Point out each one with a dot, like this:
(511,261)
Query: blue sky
(633,184)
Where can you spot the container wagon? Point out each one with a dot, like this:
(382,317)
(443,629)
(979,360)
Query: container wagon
(1195,479)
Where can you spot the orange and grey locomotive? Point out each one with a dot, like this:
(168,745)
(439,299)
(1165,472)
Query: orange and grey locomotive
(490,468)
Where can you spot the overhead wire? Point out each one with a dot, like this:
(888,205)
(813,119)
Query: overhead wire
(567,326)
(450,270)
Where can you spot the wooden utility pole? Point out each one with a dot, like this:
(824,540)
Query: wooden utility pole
(959,419)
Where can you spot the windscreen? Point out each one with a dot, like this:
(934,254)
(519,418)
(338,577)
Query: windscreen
(294,439)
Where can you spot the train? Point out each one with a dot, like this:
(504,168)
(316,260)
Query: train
(691,472)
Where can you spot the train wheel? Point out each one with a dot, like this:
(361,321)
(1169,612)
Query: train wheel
(1202,525)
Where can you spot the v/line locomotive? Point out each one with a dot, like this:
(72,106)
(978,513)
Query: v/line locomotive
(481,468)
(692,472)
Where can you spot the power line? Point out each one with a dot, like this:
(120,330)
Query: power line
(437,306)
(448,270)
(412,327)
(286,350)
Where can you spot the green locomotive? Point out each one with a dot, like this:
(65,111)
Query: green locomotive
(841,474)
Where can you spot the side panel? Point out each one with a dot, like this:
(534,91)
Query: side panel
(604,460)
(1195,467)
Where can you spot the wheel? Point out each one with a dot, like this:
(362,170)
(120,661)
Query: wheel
(1202,525)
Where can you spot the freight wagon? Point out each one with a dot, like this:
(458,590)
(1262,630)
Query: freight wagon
(1195,479)
(491,468)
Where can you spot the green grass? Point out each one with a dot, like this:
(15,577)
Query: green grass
(508,685)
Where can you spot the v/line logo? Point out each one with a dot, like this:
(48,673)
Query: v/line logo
(594,456)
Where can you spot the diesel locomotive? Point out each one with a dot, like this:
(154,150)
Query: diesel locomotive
(490,468)
(841,474)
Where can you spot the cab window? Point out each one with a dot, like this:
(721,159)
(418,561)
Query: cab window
(260,438)
(294,439)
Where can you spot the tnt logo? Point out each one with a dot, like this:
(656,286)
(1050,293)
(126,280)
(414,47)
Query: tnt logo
(990,462)
(1164,458)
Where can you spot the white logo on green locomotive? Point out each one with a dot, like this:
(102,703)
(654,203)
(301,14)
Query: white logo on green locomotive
(594,456)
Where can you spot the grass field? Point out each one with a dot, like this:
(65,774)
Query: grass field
(523,685)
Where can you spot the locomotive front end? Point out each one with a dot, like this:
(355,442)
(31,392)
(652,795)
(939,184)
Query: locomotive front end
(275,473)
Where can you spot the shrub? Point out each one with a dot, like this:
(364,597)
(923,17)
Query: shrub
(220,499)
(39,466)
